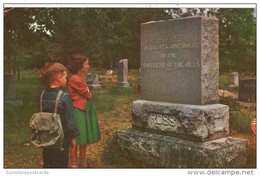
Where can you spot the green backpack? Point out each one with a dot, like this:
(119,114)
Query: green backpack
(46,128)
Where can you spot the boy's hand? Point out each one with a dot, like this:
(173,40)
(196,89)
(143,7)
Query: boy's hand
(73,143)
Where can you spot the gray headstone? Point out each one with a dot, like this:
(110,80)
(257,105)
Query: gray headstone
(9,87)
(247,90)
(234,79)
(92,81)
(10,92)
(179,61)
(122,73)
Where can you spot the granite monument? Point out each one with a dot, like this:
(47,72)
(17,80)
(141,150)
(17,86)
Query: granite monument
(178,121)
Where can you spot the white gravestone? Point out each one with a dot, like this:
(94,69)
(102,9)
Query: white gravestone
(92,81)
(234,79)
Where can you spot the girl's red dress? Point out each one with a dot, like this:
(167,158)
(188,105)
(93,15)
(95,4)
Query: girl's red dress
(78,90)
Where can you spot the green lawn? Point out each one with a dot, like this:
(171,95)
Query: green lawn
(109,101)
(113,106)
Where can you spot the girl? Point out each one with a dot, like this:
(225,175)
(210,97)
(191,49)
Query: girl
(54,76)
(84,111)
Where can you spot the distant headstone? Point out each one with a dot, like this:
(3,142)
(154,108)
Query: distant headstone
(10,92)
(109,72)
(177,122)
(234,79)
(92,81)
(247,90)
(122,73)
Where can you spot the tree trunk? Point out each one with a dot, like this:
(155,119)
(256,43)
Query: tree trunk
(8,64)
(14,65)
(18,71)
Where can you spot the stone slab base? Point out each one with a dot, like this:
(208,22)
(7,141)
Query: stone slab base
(122,84)
(167,151)
(94,87)
(191,122)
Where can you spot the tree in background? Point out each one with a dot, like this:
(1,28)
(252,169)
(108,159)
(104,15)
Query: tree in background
(237,36)
(107,35)
(21,37)
(237,41)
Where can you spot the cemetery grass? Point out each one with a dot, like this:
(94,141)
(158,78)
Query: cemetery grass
(114,113)
(241,115)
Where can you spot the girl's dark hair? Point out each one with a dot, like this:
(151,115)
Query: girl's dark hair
(76,62)
(50,71)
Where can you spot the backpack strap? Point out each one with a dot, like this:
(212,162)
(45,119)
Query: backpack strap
(41,100)
(57,102)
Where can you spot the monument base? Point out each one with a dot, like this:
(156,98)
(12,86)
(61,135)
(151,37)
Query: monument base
(122,84)
(167,151)
(94,87)
(13,102)
(191,122)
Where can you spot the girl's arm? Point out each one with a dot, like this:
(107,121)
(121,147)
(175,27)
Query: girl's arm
(80,88)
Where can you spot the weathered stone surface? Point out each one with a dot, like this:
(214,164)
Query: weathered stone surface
(122,73)
(179,61)
(167,151)
(209,60)
(193,122)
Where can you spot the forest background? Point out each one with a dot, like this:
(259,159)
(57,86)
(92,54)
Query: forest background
(106,35)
